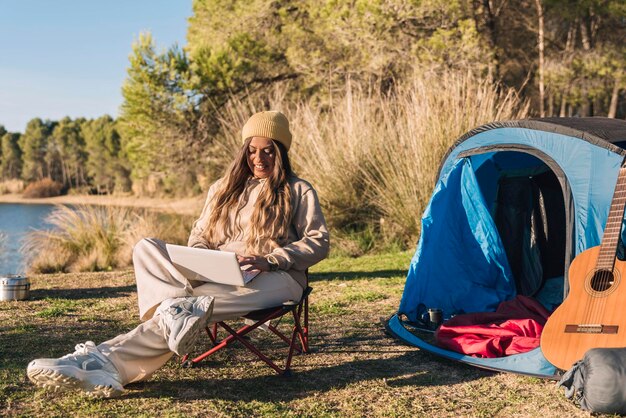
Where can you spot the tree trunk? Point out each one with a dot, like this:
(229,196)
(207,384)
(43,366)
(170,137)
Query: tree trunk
(585,107)
(571,37)
(64,176)
(550,103)
(614,98)
(541,45)
(563,110)
(584,35)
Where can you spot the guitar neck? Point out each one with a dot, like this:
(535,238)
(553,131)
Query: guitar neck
(608,248)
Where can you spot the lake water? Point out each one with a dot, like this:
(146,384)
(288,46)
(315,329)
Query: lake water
(15,221)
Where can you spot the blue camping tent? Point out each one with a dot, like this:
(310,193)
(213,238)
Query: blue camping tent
(514,203)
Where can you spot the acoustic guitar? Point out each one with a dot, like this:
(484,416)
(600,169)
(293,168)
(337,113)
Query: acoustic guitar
(594,312)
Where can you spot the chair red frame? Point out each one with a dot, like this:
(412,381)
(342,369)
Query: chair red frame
(297,342)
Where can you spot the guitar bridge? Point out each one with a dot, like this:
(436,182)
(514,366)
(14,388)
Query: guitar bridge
(591,329)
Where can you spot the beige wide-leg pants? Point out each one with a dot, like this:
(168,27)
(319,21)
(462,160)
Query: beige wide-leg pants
(142,351)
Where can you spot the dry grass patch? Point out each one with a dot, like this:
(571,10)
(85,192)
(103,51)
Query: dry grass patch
(11,186)
(355,368)
(97,238)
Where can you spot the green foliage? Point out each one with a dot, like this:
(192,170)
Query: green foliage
(3,131)
(11,161)
(458,47)
(105,164)
(323,43)
(585,64)
(66,155)
(233,67)
(33,144)
(161,132)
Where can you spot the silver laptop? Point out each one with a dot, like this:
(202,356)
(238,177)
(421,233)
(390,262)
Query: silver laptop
(210,265)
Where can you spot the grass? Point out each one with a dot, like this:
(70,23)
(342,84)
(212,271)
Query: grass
(355,368)
(58,307)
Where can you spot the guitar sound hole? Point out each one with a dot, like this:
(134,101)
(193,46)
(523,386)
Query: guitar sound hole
(602,280)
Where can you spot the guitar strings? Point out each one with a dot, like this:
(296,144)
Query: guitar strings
(604,279)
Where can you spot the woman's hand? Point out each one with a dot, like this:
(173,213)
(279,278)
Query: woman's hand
(253,262)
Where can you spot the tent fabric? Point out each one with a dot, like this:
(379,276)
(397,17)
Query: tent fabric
(459,240)
(603,132)
(514,328)
(460,265)
(587,168)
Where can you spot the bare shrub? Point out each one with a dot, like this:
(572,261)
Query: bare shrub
(45,187)
(96,238)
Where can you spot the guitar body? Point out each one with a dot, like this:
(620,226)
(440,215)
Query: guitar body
(593,314)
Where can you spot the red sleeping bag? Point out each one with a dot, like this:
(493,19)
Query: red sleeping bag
(515,327)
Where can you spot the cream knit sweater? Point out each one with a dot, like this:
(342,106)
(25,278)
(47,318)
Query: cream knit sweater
(306,244)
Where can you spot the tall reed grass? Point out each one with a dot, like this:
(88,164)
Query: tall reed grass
(373,157)
(96,238)
(419,125)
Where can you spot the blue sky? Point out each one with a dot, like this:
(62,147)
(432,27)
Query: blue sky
(69,57)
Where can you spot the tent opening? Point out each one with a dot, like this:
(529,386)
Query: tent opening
(526,201)
(514,202)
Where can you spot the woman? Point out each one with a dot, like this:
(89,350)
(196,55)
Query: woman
(259,210)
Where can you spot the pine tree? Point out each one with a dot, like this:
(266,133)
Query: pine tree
(104,162)
(3,131)
(66,156)
(11,164)
(161,132)
(33,144)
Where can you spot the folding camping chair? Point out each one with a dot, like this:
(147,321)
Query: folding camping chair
(300,332)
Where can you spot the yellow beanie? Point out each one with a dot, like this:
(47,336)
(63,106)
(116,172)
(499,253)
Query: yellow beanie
(269,124)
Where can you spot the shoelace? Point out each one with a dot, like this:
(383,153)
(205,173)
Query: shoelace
(175,310)
(87,349)
(171,313)
(178,308)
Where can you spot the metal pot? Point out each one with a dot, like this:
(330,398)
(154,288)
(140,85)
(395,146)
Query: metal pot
(14,287)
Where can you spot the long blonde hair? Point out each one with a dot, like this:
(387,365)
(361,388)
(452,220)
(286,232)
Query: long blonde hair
(271,217)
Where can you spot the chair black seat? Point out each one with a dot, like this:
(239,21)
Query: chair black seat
(297,341)
(286,307)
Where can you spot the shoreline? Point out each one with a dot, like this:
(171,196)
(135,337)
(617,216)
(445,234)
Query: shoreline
(182,206)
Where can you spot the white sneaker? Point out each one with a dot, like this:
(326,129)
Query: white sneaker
(85,369)
(182,319)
